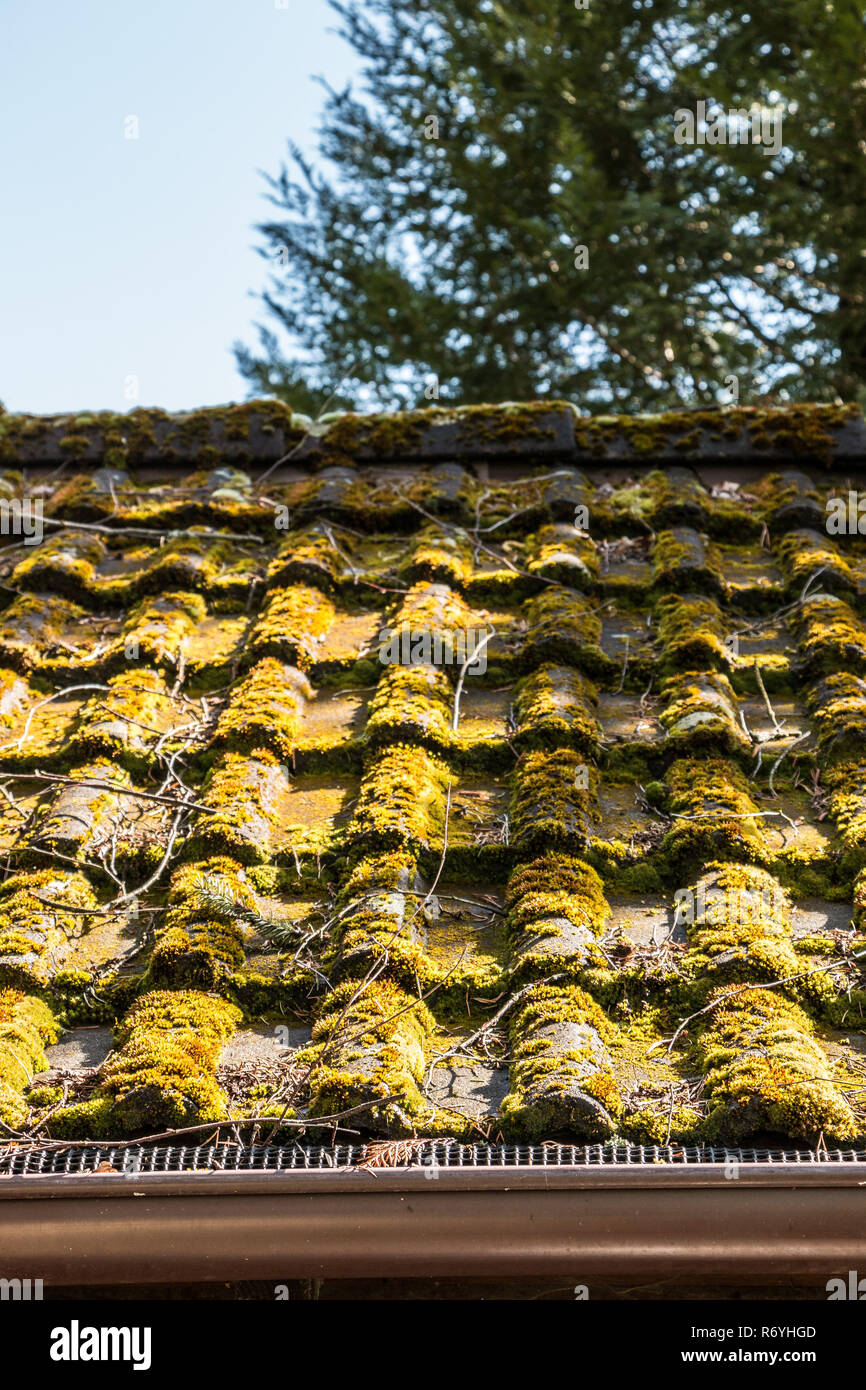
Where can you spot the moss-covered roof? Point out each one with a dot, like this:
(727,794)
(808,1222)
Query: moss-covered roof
(510,715)
(264,431)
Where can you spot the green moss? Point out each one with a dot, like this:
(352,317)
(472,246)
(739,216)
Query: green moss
(292,625)
(682,1124)
(838,704)
(33,934)
(245,793)
(741,927)
(554,800)
(412,704)
(158,629)
(691,633)
(437,557)
(371,1044)
(123,722)
(194,948)
(163,1075)
(65,564)
(308,556)
(700,712)
(766,1074)
(715,817)
(562,1083)
(31,626)
(26,1025)
(802,553)
(556,908)
(401,802)
(683,561)
(559,552)
(556,706)
(798,430)
(831,637)
(564,628)
(265,710)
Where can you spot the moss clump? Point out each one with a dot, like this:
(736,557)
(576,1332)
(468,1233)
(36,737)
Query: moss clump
(63,564)
(195,948)
(308,556)
(765,1073)
(802,553)
(85,814)
(33,934)
(265,710)
(26,1025)
(838,704)
(245,794)
(163,1075)
(691,633)
(159,629)
(561,553)
(217,568)
(371,1044)
(831,637)
(437,609)
(554,800)
(438,558)
(846,786)
(740,927)
(124,722)
(412,704)
(31,626)
(787,498)
(681,1125)
(402,801)
(555,707)
(564,628)
(715,817)
(562,1083)
(682,560)
(556,908)
(292,625)
(701,712)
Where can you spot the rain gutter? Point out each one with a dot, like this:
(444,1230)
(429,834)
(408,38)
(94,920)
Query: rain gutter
(776,1223)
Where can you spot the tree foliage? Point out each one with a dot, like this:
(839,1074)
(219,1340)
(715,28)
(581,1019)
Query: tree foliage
(438,235)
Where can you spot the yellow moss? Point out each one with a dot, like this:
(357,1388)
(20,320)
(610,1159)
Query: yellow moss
(163,1075)
(556,705)
(26,1025)
(402,800)
(766,1074)
(562,553)
(554,799)
(292,625)
(265,709)
(412,703)
(371,1047)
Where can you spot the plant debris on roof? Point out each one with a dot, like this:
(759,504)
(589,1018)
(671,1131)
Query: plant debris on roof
(494,774)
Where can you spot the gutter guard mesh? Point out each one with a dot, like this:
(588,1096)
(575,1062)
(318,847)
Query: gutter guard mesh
(132,1160)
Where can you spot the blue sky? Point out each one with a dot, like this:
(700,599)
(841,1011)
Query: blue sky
(129,262)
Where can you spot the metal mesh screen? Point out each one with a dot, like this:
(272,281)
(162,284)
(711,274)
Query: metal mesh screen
(142,1159)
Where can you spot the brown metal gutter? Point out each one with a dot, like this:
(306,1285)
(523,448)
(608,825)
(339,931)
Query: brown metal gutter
(770,1224)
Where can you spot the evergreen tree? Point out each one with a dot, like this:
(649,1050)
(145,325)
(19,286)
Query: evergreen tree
(504,212)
